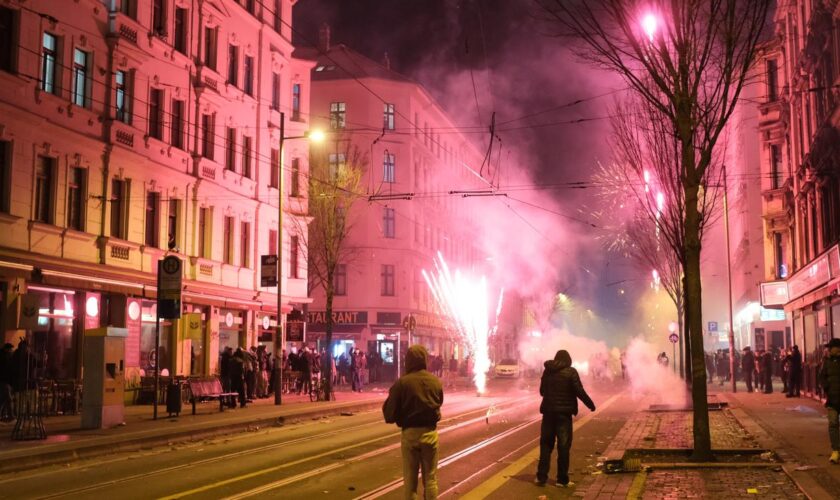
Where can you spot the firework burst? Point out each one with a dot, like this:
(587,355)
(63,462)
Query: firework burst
(465,301)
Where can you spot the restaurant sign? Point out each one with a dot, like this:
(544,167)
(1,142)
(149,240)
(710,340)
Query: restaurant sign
(339,317)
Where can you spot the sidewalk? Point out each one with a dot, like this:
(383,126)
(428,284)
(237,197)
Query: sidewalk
(66,440)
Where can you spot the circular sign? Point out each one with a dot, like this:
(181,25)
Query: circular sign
(674,338)
(229,320)
(134,311)
(171,265)
(92,307)
(266,322)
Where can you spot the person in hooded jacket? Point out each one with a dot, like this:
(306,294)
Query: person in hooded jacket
(830,382)
(413,404)
(560,388)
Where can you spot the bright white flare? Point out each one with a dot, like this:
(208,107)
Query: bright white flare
(465,301)
(649,24)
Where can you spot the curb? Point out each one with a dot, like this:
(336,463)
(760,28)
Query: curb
(133,443)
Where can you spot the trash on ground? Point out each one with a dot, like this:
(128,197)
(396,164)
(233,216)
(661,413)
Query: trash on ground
(805,467)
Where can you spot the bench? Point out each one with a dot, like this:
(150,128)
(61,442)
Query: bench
(208,389)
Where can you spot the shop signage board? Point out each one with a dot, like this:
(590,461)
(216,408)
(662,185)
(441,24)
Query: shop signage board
(339,317)
(811,276)
(295,331)
(774,293)
(133,324)
(268,270)
(28,319)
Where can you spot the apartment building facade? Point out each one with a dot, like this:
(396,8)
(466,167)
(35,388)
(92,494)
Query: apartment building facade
(415,158)
(131,130)
(798,127)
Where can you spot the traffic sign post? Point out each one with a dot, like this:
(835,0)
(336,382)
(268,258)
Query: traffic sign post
(170,274)
(674,338)
(268,270)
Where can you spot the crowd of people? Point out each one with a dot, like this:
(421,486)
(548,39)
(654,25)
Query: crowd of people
(757,369)
(17,374)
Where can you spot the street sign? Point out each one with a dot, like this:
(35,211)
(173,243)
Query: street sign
(295,331)
(28,319)
(674,338)
(169,287)
(713,326)
(268,270)
(169,278)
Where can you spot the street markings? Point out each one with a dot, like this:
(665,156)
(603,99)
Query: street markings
(500,478)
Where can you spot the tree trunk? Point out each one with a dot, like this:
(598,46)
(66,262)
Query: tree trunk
(329,337)
(694,319)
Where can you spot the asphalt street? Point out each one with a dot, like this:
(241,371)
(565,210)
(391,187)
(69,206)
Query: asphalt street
(353,456)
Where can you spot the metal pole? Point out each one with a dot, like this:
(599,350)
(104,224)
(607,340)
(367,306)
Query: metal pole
(399,338)
(157,349)
(674,354)
(281,331)
(729,279)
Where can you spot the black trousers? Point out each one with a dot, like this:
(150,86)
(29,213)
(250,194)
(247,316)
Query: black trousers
(748,376)
(238,386)
(556,427)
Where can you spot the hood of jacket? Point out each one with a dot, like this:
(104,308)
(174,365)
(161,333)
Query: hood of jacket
(415,358)
(561,360)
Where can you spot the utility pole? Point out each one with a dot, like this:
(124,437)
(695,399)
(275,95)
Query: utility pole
(729,279)
(281,330)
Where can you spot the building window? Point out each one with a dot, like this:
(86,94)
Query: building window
(778,250)
(275,91)
(272,242)
(230,152)
(210,37)
(247,154)
(181,20)
(340,280)
(207,135)
(296,101)
(294,256)
(129,8)
(388,222)
(49,60)
(294,189)
(81,70)
(388,167)
(245,245)
(177,125)
(228,240)
(156,114)
(251,6)
(204,224)
(153,219)
(5,176)
(776,175)
(336,164)
(44,190)
(278,15)
(248,71)
(388,117)
(387,275)
(119,207)
(233,65)
(172,224)
(7,39)
(772,80)
(274,175)
(338,111)
(122,97)
(159,18)
(76,189)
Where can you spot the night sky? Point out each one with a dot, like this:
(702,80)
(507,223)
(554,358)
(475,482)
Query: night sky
(445,45)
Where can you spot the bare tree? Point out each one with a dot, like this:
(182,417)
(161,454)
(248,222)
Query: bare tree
(334,188)
(688,60)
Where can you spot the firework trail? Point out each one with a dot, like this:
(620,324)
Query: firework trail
(465,302)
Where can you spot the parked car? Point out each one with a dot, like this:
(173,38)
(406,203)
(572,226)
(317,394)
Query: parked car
(507,368)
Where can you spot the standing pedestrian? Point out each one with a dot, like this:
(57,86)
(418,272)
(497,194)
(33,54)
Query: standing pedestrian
(413,404)
(237,375)
(356,366)
(748,367)
(305,363)
(6,407)
(830,382)
(795,373)
(224,373)
(767,371)
(560,388)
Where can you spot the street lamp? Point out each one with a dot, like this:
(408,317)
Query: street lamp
(315,136)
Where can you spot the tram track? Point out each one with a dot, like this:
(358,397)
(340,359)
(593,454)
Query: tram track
(260,449)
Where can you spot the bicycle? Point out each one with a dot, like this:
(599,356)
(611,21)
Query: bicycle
(318,390)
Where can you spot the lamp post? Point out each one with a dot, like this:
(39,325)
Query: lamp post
(281,192)
(729,279)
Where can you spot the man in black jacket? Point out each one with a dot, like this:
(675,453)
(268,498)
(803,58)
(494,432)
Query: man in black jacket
(830,381)
(748,367)
(560,388)
(413,404)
